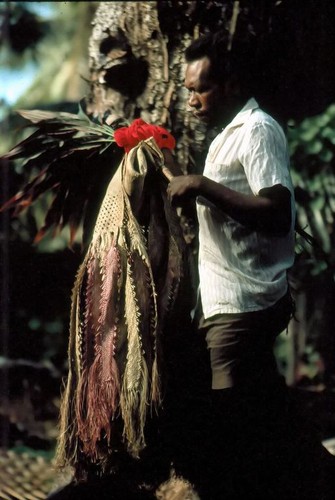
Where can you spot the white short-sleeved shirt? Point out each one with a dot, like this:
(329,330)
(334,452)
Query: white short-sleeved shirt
(241,269)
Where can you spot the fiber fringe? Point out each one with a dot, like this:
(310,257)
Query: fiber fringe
(107,316)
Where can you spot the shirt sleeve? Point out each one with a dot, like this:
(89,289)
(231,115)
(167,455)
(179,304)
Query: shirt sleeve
(264,156)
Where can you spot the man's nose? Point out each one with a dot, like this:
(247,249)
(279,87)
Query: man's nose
(193,101)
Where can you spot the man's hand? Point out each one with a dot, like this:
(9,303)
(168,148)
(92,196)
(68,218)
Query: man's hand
(183,188)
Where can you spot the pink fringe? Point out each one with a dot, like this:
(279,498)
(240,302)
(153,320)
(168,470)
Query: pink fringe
(97,403)
(99,387)
(91,330)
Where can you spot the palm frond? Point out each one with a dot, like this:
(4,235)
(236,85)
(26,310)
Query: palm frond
(68,154)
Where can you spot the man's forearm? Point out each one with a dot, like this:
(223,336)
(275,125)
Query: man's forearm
(269,212)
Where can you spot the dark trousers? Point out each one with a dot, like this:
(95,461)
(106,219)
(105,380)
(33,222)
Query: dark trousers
(259,445)
(241,345)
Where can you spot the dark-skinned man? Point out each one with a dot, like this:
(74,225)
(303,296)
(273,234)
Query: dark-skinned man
(246,214)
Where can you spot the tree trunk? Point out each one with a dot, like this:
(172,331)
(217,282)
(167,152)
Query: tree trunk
(137,68)
(136,73)
(137,64)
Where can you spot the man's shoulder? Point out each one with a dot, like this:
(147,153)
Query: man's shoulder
(258,115)
(260,120)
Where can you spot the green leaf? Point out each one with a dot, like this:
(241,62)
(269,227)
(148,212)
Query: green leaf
(326,155)
(314,147)
(82,115)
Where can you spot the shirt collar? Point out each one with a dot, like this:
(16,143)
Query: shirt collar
(244,114)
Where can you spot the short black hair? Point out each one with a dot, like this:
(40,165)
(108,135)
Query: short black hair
(227,61)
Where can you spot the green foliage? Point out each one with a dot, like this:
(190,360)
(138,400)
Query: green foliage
(312,150)
(62,155)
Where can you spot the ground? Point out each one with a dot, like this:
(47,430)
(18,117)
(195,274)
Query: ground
(180,451)
(27,472)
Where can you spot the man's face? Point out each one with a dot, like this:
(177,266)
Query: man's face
(210,101)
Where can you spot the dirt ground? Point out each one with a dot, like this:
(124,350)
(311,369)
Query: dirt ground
(182,460)
(305,470)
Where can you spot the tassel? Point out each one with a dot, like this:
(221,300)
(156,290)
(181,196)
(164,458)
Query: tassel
(99,387)
(96,415)
(134,406)
(117,304)
(67,448)
(155,397)
(134,392)
(109,319)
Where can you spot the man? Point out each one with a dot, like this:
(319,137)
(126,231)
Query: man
(246,214)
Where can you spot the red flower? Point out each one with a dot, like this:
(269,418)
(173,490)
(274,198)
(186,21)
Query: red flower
(139,130)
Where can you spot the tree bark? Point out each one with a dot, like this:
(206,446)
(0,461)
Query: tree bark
(137,66)
(137,70)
